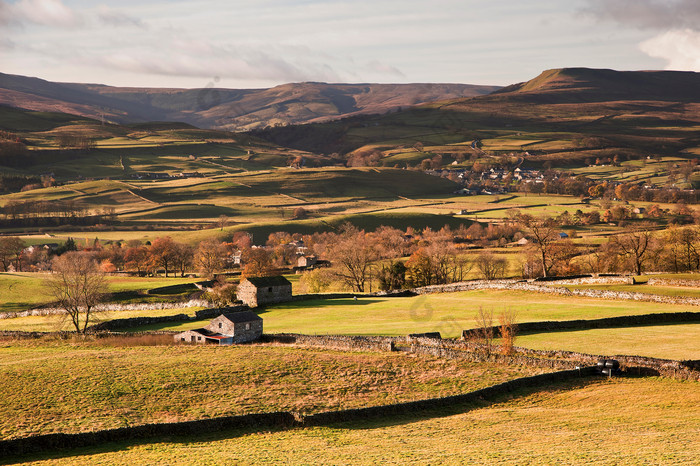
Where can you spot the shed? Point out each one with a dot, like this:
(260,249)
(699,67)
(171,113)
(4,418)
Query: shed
(226,329)
(258,291)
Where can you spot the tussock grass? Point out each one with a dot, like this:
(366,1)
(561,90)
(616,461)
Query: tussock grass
(72,386)
(623,421)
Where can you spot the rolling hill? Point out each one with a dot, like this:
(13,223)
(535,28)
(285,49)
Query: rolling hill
(227,109)
(565,116)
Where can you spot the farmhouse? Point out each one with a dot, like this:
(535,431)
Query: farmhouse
(257,291)
(235,327)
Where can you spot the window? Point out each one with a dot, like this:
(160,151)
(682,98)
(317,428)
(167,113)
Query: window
(247,326)
(182,339)
(220,325)
(199,338)
(269,290)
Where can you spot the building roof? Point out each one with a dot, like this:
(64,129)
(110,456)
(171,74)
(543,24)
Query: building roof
(269,281)
(242,316)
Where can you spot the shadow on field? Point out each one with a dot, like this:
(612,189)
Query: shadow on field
(401,417)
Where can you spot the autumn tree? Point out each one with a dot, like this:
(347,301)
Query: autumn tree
(209,257)
(183,258)
(77,285)
(137,257)
(353,251)
(257,262)
(392,276)
(163,252)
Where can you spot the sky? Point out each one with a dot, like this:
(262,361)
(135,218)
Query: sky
(262,43)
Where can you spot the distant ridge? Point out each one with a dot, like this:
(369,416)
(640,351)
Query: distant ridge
(229,109)
(586,84)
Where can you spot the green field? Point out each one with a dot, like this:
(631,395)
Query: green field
(623,421)
(22,291)
(78,386)
(673,341)
(448,313)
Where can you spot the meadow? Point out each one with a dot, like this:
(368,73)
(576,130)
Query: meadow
(78,385)
(673,341)
(619,421)
(23,290)
(447,313)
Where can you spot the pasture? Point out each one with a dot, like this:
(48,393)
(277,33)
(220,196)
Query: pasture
(673,341)
(21,291)
(622,421)
(76,386)
(447,313)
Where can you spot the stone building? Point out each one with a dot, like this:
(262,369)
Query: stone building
(258,291)
(227,329)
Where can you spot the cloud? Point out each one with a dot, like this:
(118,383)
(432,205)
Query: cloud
(383,68)
(647,14)
(178,56)
(112,17)
(44,12)
(680,48)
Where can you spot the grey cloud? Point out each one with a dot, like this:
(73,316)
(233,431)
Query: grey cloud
(647,14)
(117,18)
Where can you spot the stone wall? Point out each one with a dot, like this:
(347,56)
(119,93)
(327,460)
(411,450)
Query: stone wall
(521,285)
(606,322)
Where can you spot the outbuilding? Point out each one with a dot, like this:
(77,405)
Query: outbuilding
(258,291)
(227,329)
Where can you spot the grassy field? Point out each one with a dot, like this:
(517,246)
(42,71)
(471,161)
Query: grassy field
(623,421)
(682,291)
(73,387)
(448,313)
(22,291)
(677,341)
(61,322)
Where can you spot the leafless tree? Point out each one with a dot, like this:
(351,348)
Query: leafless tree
(636,244)
(484,329)
(491,266)
(77,285)
(543,231)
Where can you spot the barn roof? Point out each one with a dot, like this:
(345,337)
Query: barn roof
(242,316)
(269,281)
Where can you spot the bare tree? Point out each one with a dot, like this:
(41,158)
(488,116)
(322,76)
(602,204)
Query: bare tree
(77,285)
(491,266)
(544,233)
(163,251)
(222,222)
(11,251)
(484,329)
(636,245)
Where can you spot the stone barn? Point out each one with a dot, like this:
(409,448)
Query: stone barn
(235,327)
(258,291)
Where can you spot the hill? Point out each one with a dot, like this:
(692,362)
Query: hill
(220,108)
(565,117)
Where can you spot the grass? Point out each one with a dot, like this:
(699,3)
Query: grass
(448,313)
(622,421)
(677,341)
(680,291)
(22,291)
(74,387)
(60,322)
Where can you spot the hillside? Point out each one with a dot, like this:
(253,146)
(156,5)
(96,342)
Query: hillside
(564,116)
(220,108)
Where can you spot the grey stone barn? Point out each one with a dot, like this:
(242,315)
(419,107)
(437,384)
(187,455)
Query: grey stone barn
(227,329)
(258,291)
